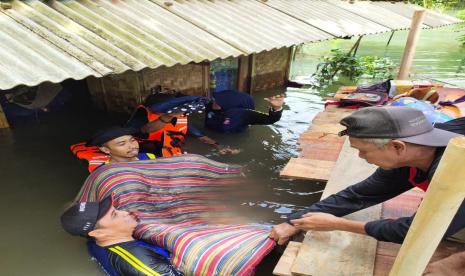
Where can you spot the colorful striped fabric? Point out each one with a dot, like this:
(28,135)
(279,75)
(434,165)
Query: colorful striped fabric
(177,200)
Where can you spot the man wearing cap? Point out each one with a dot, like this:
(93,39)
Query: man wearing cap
(406,148)
(120,144)
(115,249)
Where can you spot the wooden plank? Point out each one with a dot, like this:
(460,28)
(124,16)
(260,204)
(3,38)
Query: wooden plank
(283,268)
(331,128)
(308,169)
(444,196)
(3,120)
(339,252)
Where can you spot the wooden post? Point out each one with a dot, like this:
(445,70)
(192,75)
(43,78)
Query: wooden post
(252,72)
(290,58)
(409,51)
(441,202)
(3,120)
(206,79)
(243,74)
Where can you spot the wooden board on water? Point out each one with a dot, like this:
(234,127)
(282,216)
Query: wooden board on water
(301,168)
(338,252)
(283,268)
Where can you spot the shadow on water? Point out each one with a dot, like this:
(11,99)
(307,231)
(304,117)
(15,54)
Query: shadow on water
(39,174)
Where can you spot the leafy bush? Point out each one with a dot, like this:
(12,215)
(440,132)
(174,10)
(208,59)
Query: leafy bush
(377,68)
(460,14)
(339,63)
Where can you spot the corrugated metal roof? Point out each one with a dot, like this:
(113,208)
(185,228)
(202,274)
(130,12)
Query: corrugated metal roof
(432,18)
(248,25)
(375,13)
(325,16)
(78,38)
(26,58)
(98,38)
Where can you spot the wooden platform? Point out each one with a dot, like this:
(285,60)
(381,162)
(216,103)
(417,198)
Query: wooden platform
(339,254)
(320,146)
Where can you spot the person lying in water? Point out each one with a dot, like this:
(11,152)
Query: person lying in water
(407,149)
(111,242)
(233,111)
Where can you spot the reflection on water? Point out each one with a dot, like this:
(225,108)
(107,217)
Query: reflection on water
(39,174)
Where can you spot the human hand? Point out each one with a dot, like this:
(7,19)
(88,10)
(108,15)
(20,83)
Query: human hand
(281,233)
(207,140)
(317,222)
(223,150)
(276,102)
(167,117)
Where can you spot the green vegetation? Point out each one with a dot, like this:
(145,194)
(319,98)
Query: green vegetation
(339,63)
(440,4)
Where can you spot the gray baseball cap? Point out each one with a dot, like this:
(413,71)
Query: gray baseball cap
(395,122)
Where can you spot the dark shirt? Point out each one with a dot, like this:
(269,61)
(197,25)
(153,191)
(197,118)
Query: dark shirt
(238,119)
(383,185)
(133,258)
(237,112)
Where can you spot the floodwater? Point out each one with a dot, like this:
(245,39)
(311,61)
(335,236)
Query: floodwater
(39,175)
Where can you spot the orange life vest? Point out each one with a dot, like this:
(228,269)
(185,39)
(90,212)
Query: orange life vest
(96,158)
(172,136)
(92,154)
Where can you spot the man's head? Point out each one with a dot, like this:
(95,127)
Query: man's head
(392,136)
(99,220)
(118,142)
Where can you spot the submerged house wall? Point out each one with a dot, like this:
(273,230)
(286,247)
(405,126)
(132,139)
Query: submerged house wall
(270,69)
(123,92)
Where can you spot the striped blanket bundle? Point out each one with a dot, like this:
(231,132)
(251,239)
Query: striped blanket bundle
(178,202)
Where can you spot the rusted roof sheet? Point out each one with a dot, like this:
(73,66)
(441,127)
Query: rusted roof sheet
(328,17)
(432,18)
(79,38)
(249,26)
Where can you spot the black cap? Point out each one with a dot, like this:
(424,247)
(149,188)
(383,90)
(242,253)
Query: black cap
(81,217)
(105,135)
(395,122)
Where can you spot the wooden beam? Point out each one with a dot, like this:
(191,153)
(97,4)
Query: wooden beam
(409,51)
(3,119)
(252,72)
(206,79)
(445,194)
(339,252)
(289,64)
(283,268)
(243,74)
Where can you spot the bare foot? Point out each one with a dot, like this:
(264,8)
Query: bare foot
(450,266)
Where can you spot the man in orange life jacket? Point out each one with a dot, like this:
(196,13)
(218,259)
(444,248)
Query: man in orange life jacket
(120,144)
(407,149)
(163,133)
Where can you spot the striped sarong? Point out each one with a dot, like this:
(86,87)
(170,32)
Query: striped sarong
(175,199)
